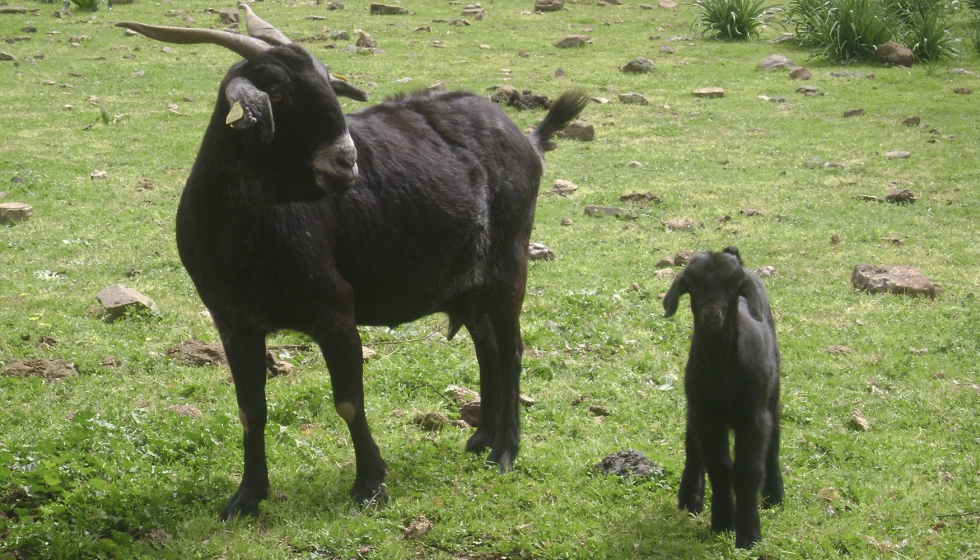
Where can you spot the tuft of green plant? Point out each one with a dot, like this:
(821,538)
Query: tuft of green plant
(843,29)
(975,34)
(928,36)
(973,4)
(731,19)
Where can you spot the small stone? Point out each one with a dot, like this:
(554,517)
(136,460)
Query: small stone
(667,4)
(894,53)
(962,91)
(859,422)
(365,40)
(630,463)
(422,28)
(463,395)
(901,196)
(709,92)
(367,354)
(853,113)
(664,273)
(640,65)
(98,175)
(383,10)
(799,73)
(470,412)
(898,154)
(599,410)
(117,299)
(566,221)
(339,35)
(559,73)
(911,121)
(641,197)
(751,212)
(604,211)
(665,262)
(766,272)
(562,187)
(839,350)
(548,5)
(417,529)
(667,49)
(228,16)
(776,61)
(571,41)
(893,279)
(540,252)
(681,224)
(807,90)
(633,98)
(683,257)
(188,410)
(48,369)
(12,212)
(578,130)
(335,5)
(433,421)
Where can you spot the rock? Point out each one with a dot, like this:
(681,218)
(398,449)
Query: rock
(578,130)
(117,299)
(384,10)
(463,395)
(853,113)
(766,272)
(470,412)
(339,35)
(476,13)
(604,211)
(98,175)
(197,354)
(683,257)
(751,212)
(667,49)
(859,422)
(336,5)
(559,73)
(665,262)
(893,279)
(799,73)
(7,56)
(641,197)
(540,252)
(664,273)
(417,529)
(901,196)
(894,53)
(911,121)
(562,187)
(367,354)
(503,94)
(898,154)
(548,5)
(807,90)
(48,369)
(276,367)
(667,4)
(572,40)
(962,91)
(228,15)
(185,410)
(599,410)
(433,421)
(680,224)
(11,212)
(365,40)
(646,7)
(630,463)
(776,61)
(640,65)
(633,98)
(839,350)
(709,92)
(849,74)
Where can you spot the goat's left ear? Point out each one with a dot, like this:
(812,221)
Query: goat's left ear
(673,296)
(249,106)
(344,88)
(755,295)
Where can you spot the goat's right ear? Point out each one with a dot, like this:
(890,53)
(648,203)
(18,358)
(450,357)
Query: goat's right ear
(677,289)
(249,106)
(344,88)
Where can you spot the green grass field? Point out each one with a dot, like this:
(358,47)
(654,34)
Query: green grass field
(97,466)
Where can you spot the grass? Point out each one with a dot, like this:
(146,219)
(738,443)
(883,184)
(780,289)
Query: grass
(98,467)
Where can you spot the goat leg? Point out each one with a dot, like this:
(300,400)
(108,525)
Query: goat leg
(750,455)
(690,497)
(510,350)
(713,441)
(772,484)
(342,351)
(246,356)
(487,355)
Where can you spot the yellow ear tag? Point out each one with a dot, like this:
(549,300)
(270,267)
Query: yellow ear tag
(341,77)
(235,114)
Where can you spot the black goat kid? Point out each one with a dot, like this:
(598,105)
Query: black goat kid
(298,217)
(731,381)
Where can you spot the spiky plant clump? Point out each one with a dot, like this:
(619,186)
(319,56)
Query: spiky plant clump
(843,29)
(731,19)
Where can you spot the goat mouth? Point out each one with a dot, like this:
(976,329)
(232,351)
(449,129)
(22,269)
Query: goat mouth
(335,181)
(712,326)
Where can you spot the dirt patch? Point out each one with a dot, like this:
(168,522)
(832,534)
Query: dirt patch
(48,369)
(630,463)
(195,353)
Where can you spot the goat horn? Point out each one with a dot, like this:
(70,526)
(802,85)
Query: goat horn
(247,47)
(261,29)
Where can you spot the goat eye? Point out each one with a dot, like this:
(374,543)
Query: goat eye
(275,97)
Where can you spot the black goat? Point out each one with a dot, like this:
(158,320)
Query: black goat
(299,217)
(731,381)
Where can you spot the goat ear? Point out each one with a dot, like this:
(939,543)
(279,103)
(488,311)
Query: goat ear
(677,289)
(249,106)
(344,88)
(755,295)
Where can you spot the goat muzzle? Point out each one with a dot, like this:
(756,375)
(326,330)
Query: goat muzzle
(335,165)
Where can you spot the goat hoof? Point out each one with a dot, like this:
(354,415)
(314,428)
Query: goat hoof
(503,459)
(746,541)
(369,494)
(479,441)
(244,503)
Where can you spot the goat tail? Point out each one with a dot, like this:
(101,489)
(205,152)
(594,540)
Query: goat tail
(562,112)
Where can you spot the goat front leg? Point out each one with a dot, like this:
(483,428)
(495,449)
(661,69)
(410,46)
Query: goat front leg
(751,442)
(246,356)
(690,497)
(341,347)
(713,441)
(772,484)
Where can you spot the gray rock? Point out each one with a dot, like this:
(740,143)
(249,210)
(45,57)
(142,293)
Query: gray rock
(806,89)
(11,212)
(633,98)
(470,412)
(592,210)
(548,5)
(117,299)
(893,279)
(578,130)
(540,252)
(630,463)
(383,10)
(894,53)
(228,15)
(335,5)
(709,92)
(365,40)
(571,40)
(776,61)
(476,13)
(640,65)
(898,154)
(799,73)
(853,113)
(339,35)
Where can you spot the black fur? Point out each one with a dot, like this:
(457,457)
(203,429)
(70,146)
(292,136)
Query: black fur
(437,220)
(731,381)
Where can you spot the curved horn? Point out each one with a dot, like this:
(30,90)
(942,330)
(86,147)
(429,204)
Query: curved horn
(261,29)
(247,47)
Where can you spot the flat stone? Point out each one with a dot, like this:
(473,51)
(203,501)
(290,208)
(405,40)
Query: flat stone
(681,224)
(640,65)
(11,212)
(709,92)
(853,113)
(776,61)
(540,252)
(592,210)
(365,40)
(470,412)
(548,5)
(683,257)
(117,299)
(905,280)
(578,130)
(962,91)
(188,410)
(667,49)
(799,73)
(571,41)
(667,4)
(806,89)
(633,98)
(385,10)
(911,121)
(898,154)
(562,187)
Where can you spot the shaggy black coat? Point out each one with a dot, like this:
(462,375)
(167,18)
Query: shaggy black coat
(731,381)
(437,218)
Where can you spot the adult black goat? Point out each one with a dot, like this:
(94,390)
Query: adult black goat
(299,217)
(731,381)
